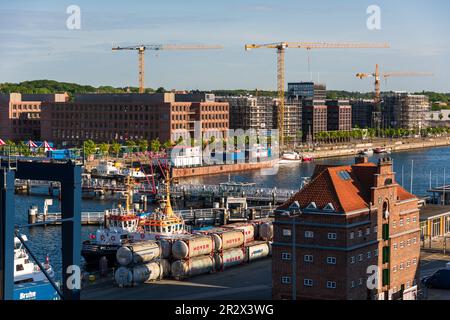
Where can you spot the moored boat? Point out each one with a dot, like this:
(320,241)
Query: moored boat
(290,157)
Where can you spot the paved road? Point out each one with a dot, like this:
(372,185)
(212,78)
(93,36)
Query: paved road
(250,281)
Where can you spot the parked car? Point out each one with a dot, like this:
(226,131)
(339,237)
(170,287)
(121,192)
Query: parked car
(439,280)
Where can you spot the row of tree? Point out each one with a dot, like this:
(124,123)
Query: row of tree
(360,134)
(90,147)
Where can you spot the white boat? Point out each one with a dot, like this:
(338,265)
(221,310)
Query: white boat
(366,152)
(106,168)
(290,157)
(134,173)
(26,271)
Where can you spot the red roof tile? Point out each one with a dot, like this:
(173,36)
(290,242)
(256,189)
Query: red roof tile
(347,188)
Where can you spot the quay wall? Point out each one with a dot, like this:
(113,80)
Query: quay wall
(217,169)
(393,146)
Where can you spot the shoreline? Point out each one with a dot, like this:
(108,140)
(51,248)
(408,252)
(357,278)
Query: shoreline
(342,151)
(393,146)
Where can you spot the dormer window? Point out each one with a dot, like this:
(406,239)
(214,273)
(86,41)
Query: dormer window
(329,207)
(312,206)
(294,205)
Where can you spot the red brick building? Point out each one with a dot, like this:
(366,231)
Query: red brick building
(339,115)
(121,117)
(314,118)
(347,220)
(20,114)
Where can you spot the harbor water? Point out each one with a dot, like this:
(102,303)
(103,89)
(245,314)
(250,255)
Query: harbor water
(423,163)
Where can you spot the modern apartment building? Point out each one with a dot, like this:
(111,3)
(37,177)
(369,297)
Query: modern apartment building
(307,90)
(362,113)
(314,118)
(352,233)
(292,120)
(20,114)
(121,117)
(407,111)
(257,113)
(339,115)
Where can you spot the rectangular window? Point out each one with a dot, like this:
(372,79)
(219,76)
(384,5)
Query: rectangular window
(331,285)
(287,232)
(369,255)
(360,257)
(308,258)
(286,280)
(386,277)
(386,254)
(352,235)
(285,256)
(331,260)
(308,282)
(367,231)
(332,236)
(309,234)
(359,233)
(352,260)
(386,231)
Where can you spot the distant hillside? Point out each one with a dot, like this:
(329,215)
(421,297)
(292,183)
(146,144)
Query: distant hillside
(51,86)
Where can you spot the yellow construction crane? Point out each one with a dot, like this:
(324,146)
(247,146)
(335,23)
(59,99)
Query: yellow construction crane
(377,76)
(158,47)
(281,48)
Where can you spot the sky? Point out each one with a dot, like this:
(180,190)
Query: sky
(35,42)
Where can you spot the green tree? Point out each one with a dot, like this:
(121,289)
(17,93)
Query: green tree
(115,148)
(89,147)
(104,148)
(168,144)
(143,145)
(155,145)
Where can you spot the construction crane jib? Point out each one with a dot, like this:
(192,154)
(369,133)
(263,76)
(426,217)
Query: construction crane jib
(281,49)
(159,47)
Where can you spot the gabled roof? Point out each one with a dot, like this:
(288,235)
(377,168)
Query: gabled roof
(346,188)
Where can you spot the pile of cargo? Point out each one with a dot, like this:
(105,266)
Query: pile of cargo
(186,255)
(140,262)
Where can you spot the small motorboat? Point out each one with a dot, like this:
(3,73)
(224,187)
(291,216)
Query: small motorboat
(290,157)
(366,152)
(380,150)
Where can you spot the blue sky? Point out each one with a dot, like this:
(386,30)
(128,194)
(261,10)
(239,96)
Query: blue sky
(35,43)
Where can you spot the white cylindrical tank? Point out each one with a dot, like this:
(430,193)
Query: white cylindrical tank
(140,252)
(266,231)
(224,240)
(192,247)
(123,277)
(229,258)
(256,250)
(150,271)
(247,228)
(181,269)
(166,247)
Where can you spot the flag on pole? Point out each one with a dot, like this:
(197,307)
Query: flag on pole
(31,144)
(2,143)
(47,147)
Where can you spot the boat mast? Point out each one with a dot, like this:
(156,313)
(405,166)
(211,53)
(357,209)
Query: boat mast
(168,208)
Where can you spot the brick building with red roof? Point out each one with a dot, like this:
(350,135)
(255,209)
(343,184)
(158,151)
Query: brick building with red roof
(349,221)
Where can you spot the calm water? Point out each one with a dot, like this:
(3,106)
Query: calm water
(48,240)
